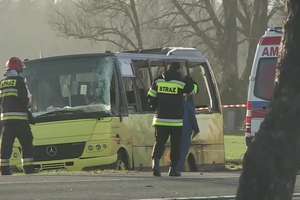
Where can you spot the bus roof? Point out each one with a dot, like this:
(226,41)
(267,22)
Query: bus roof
(53,58)
(165,53)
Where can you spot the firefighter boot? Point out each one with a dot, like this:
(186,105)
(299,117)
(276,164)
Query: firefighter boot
(174,172)
(5,170)
(155,167)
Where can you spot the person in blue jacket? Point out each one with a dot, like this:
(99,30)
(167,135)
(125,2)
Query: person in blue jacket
(190,127)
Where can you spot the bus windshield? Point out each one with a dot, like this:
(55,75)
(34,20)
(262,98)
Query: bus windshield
(70,84)
(265,77)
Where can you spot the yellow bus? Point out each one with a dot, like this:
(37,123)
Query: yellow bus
(91,110)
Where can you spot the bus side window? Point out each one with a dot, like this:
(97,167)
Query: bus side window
(113,95)
(130,94)
(201,99)
(143,84)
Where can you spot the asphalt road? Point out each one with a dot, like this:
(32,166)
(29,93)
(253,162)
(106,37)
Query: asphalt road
(117,185)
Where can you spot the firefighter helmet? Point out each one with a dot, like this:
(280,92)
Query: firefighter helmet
(15,63)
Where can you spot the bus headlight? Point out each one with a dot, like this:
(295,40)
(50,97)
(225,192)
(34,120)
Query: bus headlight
(15,155)
(90,147)
(98,147)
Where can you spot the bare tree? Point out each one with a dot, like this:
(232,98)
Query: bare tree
(220,28)
(113,21)
(272,159)
(254,17)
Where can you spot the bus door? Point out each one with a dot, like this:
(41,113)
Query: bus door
(208,146)
(140,115)
(136,132)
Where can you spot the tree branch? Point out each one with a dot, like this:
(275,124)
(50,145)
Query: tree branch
(194,25)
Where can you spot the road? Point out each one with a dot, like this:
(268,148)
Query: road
(117,185)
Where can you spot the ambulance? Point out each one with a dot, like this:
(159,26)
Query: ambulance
(261,80)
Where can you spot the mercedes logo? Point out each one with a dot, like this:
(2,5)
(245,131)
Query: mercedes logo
(51,151)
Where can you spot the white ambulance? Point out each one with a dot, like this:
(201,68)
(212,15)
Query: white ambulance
(261,80)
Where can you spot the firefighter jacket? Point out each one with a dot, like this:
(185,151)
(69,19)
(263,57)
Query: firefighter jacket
(13,97)
(166,96)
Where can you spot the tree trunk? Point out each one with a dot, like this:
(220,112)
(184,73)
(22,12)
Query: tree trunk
(228,54)
(272,159)
(136,24)
(259,24)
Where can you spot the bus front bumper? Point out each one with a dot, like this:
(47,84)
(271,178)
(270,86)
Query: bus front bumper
(77,164)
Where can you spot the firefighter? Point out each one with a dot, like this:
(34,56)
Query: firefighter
(14,117)
(166,97)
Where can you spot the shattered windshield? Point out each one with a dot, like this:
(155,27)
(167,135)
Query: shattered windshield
(70,84)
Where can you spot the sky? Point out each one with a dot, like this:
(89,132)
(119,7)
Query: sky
(27,34)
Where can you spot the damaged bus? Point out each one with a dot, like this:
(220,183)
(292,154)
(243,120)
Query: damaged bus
(91,110)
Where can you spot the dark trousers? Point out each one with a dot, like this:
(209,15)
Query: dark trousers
(16,129)
(162,134)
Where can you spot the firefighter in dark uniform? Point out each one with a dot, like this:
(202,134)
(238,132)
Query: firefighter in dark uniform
(166,96)
(14,117)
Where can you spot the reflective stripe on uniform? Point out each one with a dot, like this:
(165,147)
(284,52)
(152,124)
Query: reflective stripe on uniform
(8,83)
(27,161)
(180,84)
(167,122)
(167,88)
(159,80)
(14,115)
(4,162)
(8,92)
(195,89)
(152,93)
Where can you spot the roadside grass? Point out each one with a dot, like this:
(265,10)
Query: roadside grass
(235,148)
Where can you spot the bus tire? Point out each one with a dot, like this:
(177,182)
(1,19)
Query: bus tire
(122,162)
(192,163)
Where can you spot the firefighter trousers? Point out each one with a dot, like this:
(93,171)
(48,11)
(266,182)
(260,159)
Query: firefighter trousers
(21,130)
(162,134)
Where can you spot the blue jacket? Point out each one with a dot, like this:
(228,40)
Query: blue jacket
(190,125)
(189,121)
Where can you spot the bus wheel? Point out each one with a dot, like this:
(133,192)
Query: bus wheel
(192,163)
(122,162)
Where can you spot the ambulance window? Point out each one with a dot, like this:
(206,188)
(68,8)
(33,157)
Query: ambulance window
(264,80)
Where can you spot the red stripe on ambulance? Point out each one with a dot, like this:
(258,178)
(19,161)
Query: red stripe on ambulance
(259,113)
(270,41)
